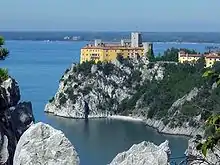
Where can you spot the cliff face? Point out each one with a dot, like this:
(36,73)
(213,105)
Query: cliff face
(99,89)
(15,118)
(167,96)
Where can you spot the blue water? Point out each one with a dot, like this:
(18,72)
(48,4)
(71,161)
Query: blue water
(38,66)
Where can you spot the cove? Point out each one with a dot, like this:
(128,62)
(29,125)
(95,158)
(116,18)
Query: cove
(38,66)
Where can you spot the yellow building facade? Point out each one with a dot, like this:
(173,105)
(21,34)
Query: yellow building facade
(210,58)
(91,53)
(108,52)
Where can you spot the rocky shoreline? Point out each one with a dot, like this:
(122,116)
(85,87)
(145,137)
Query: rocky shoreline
(181,131)
(155,124)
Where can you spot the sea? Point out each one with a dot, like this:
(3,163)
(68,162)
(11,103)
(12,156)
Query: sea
(38,65)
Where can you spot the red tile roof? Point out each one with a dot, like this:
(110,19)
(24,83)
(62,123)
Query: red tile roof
(211,55)
(191,55)
(112,47)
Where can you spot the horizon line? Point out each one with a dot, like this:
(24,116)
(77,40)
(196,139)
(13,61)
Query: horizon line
(101,31)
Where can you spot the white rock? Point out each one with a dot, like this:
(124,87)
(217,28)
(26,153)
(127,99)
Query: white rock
(102,92)
(145,153)
(43,145)
(94,68)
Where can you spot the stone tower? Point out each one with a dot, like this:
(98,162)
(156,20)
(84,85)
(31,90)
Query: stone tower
(136,39)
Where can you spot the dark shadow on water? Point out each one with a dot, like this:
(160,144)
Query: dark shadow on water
(86,127)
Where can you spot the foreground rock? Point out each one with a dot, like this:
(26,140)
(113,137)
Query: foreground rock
(15,118)
(145,153)
(41,144)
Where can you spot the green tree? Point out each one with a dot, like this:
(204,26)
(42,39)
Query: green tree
(3,51)
(200,64)
(150,55)
(212,126)
(2,41)
(3,74)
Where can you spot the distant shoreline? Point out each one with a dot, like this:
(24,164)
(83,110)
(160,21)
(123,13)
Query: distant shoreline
(156,42)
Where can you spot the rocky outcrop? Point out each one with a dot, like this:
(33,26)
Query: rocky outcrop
(163,94)
(41,144)
(197,158)
(145,153)
(101,86)
(174,110)
(15,118)
(184,129)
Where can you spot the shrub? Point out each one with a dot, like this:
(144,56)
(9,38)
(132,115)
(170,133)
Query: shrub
(51,100)
(86,90)
(165,121)
(3,74)
(189,110)
(108,68)
(67,70)
(151,113)
(136,76)
(85,67)
(62,99)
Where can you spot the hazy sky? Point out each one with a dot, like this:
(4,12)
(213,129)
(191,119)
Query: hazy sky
(110,15)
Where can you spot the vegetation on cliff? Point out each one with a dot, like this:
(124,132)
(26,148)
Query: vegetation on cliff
(158,96)
(3,74)
(3,53)
(212,126)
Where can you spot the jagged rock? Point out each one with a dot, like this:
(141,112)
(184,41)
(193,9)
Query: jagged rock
(197,158)
(12,91)
(3,100)
(188,97)
(14,119)
(4,153)
(145,153)
(21,117)
(94,68)
(41,144)
(185,129)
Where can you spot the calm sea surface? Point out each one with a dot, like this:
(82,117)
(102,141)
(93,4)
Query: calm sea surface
(38,66)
